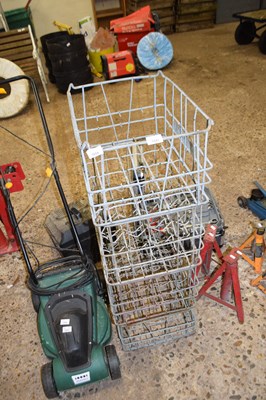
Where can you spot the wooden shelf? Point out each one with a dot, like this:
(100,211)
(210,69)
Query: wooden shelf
(109,13)
(103,17)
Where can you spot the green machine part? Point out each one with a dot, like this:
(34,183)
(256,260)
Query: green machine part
(101,336)
(97,371)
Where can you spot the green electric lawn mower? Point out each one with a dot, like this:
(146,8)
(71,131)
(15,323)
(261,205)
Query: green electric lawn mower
(73,322)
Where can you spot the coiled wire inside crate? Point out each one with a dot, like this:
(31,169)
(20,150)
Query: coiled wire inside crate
(151,247)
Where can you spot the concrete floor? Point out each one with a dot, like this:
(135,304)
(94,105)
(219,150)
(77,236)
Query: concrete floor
(223,360)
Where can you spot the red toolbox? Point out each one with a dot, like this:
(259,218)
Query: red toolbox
(130,29)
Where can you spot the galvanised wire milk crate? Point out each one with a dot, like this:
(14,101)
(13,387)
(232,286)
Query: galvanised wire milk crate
(142,300)
(158,330)
(143,147)
(144,153)
(150,247)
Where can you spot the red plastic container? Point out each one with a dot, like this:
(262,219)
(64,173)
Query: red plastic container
(130,29)
(129,41)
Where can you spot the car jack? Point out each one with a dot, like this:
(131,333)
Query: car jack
(210,244)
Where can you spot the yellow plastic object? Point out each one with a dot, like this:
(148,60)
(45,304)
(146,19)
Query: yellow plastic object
(48,172)
(95,72)
(2,91)
(64,27)
(95,57)
(130,67)
(9,185)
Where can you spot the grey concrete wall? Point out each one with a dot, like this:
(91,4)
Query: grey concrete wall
(225,8)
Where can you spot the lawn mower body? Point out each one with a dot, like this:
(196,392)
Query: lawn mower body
(74,328)
(73,322)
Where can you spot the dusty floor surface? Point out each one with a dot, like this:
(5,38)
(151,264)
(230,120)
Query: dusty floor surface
(223,360)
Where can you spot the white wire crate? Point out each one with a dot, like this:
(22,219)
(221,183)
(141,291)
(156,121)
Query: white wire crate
(145,299)
(140,143)
(144,154)
(158,330)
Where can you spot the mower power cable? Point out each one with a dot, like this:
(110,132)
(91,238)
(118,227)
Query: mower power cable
(37,200)
(25,141)
(87,276)
(50,177)
(32,253)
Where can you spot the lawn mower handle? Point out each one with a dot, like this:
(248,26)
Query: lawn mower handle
(14,223)
(39,105)
(51,149)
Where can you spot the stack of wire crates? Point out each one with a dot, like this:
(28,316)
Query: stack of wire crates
(143,146)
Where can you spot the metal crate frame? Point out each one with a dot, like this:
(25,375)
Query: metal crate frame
(155,297)
(117,183)
(150,247)
(158,330)
(169,155)
(145,167)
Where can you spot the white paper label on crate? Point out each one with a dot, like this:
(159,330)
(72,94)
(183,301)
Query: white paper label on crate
(67,329)
(95,151)
(65,321)
(154,139)
(113,74)
(81,378)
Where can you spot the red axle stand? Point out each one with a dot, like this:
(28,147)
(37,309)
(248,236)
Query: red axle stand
(12,174)
(228,271)
(210,244)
